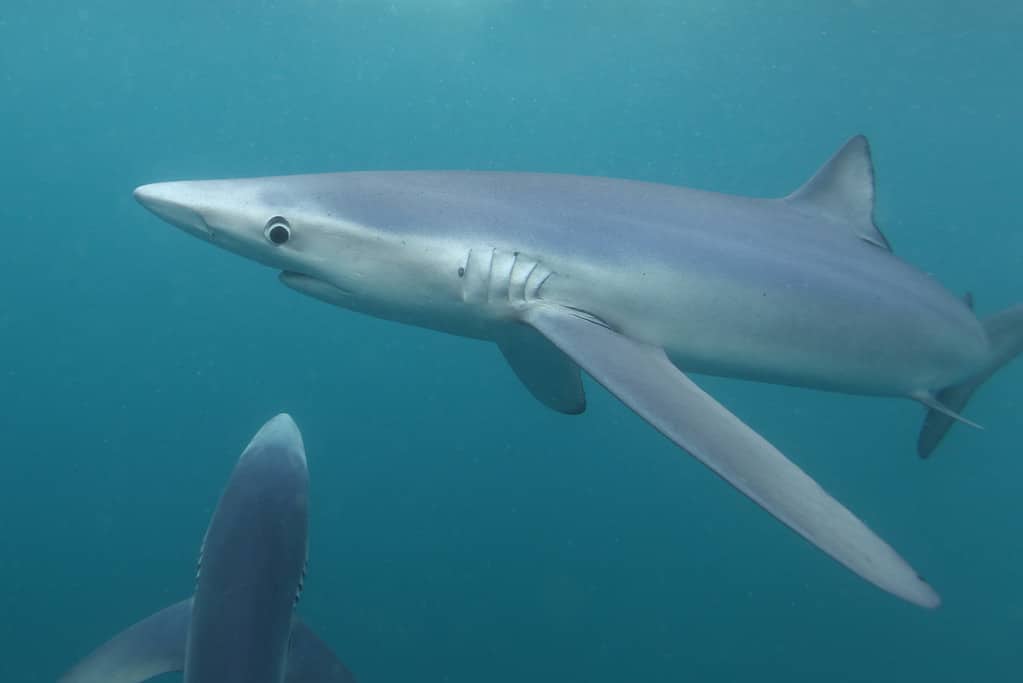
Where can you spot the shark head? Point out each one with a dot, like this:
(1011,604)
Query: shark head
(316,230)
(273,223)
(277,441)
(366,241)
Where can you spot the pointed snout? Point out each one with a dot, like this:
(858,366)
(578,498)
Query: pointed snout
(278,438)
(176,203)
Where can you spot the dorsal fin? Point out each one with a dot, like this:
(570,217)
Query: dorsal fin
(843,191)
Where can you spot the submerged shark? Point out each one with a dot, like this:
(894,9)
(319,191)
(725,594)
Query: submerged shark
(637,283)
(239,627)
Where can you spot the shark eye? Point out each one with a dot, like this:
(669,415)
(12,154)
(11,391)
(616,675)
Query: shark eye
(277,230)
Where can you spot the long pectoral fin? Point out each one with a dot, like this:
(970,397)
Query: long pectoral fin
(644,379)
(153,646)
(549,374)
(311,661)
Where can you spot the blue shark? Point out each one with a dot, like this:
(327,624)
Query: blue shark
(639,284)
(239,626)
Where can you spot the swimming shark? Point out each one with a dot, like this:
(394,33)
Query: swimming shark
(638,284)
(239,626)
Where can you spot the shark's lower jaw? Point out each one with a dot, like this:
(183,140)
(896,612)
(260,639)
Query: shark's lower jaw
(188,221)
(315,287)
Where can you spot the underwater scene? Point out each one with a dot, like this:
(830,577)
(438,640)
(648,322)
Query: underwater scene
(530,509)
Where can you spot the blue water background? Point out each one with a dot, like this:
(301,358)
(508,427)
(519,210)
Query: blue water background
(461,532)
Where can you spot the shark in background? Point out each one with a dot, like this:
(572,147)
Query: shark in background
(239,627)
(637,284)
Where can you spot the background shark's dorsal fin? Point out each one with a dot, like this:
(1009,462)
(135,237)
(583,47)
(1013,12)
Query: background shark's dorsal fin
(843,190)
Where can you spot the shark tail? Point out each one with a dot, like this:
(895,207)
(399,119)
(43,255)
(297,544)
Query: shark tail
(1005,335)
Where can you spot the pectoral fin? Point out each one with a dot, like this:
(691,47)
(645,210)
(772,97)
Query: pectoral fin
(549,374)
(311,661)
(156,645)
(153,646)
(643,378)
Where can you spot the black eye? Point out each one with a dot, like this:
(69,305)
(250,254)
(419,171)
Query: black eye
(277,230)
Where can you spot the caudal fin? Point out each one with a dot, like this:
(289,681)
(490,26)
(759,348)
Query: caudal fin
(1005,334)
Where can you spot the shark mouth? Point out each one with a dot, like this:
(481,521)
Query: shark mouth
(314,287)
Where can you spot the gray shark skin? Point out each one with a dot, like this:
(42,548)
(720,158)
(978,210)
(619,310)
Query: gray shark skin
(636,283)
(239,627)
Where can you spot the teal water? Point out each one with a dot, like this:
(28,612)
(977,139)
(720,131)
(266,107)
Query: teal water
(460,532)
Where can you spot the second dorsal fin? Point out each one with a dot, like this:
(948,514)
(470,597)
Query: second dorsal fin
(842,190)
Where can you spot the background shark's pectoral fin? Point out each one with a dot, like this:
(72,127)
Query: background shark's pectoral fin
(310,660)
(551,376)
(153,646)
(644,379)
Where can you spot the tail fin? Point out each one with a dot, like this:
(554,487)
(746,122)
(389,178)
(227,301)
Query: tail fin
(1005,333)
